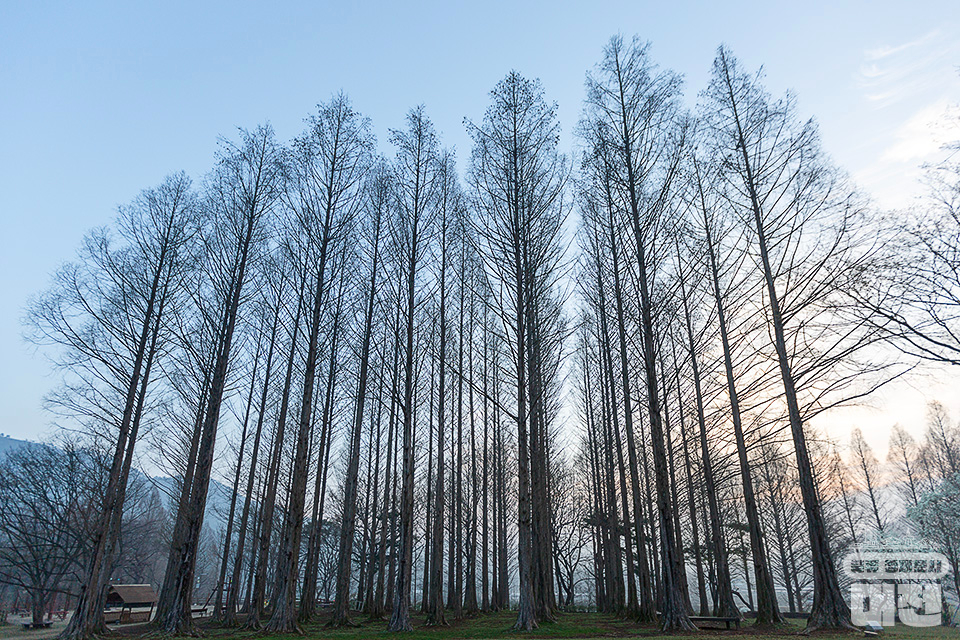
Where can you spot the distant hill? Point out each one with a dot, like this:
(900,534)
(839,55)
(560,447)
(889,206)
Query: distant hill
(218,500)
(8,444)
(218,496)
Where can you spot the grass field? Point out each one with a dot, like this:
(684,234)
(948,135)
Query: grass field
(494,626)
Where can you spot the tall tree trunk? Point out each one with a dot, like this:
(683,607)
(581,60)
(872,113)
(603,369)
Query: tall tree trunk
(691,501)
(674,615)
(427,521)
(829,609)
(504,579)
(179,619)
(680,568)
(230,616)
(228,535)
(615,587)
(166,600)
(308,596)
(456,576)
(371,497)
(379,605)
(470,594)
(600,574)
(400,617)
(768,611)
(435,615)
(87,620)
(526,616)
(284,618)
(776,510)
(646,607)
(273,477)
(724,595)
(484,537)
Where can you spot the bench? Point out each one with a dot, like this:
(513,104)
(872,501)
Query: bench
(36,625)
(198,610)
(129,617)
(728,620)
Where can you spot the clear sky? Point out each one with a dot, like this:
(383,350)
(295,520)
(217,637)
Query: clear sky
(99,100)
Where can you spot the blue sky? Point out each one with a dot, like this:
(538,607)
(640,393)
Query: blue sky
(99,100)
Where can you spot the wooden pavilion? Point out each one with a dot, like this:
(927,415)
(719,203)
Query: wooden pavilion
(122,599)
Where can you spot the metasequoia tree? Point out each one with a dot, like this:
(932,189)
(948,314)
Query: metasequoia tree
(724,603)
(633,108)
(775,480)
(106,315)
(902,460)
(235,486)
(188,372)
(866,470)
(470,283)
(377,193)
(412,229)
(272,308)
(517,180)
(369,337)
(448,200)
(778,179)
(327,170)
(688,462)
(343,276)
(599,207)
(271,482)
(768,611)
(392,344)
(603,436)
(241,195)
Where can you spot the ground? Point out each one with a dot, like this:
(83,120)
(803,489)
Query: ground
(491,626)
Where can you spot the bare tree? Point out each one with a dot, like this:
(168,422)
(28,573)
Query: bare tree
(269,497)
(218,609)
(768,611)
(634,108)
(326,173)
(272,307)
(780,184)
(518,179)
(867,471)
(448,196)
(901,457)
(599,202)
(724,603)
(412,230)
(105,316)
(378,193)
(241,195)
(45,491)
(730,287)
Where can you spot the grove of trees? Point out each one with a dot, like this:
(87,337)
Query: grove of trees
(533,381)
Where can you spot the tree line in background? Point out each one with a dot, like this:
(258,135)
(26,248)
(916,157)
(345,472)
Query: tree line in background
(544,383)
